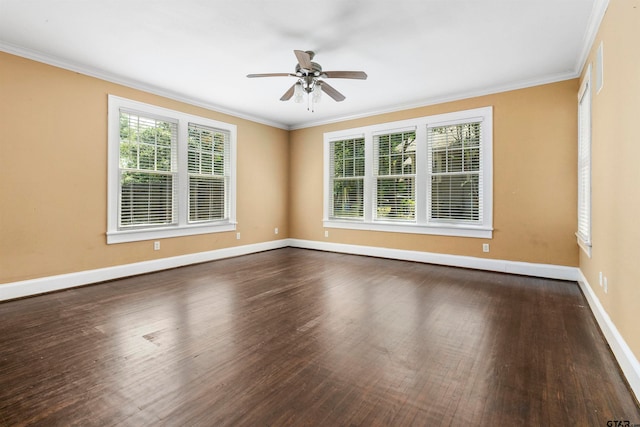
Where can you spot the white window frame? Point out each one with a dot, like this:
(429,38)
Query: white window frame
(182,226)
(332,179)
(480,229)
(599,68)
(583,233)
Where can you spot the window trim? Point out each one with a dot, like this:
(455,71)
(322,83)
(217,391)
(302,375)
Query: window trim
(421,225)
(599,68)
(182,227)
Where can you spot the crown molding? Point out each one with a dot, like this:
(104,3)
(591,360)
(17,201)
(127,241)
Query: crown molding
(595,19)
(131,83)
(523,84)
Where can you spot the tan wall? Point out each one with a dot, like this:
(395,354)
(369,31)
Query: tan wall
(616,171)
(53,175)
(535,198)
(54,127)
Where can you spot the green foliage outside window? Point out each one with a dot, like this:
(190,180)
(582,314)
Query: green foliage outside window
(145,144)
(146,164)
(395,191)
(348,178)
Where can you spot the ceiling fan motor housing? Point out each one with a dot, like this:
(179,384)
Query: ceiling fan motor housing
(316,70)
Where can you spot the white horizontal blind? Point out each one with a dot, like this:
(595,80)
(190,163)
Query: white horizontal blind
(147,168)
(395,170)
(347,161)
(454,166)
(208,164)
(584,164)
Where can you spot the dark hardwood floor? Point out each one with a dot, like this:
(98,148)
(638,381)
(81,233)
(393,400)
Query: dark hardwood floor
(299,337)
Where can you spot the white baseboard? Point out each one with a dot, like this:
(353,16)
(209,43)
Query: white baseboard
(514,267)
(623,354)
(621,351)
(64,281)
(625,357)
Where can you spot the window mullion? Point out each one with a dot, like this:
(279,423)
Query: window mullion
(369,177)
(182,173)
(422,175)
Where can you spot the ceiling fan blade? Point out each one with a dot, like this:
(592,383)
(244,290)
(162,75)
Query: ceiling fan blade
(271,75)
(303,59)
(288,94)
(329,90)
(360,75)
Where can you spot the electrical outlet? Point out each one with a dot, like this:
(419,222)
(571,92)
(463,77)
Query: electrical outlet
(238,236)
(485,247)
(156,246)
(326,233)
(275,231)
(606,285)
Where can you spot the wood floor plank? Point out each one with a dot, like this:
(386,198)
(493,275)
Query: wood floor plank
(299,337)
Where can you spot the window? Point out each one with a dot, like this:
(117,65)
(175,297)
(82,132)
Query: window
(347,178)
(147,170)
(454,167)
(584,164)
(430,175)
(395,170)
(208,173)
(170,173)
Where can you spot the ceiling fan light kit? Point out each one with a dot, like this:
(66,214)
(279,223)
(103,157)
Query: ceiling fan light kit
(310,75)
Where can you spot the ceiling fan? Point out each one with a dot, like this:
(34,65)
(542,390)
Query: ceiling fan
(310,75)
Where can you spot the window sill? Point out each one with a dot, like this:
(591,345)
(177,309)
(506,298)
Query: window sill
(455,230)
(123,236)
(586,247)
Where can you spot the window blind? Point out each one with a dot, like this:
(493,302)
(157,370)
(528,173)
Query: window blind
(347,160)
(208,165)
(395,166)
(584,164)
(454,168)
(147,166)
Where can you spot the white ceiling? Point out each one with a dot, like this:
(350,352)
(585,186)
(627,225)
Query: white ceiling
(416,52)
